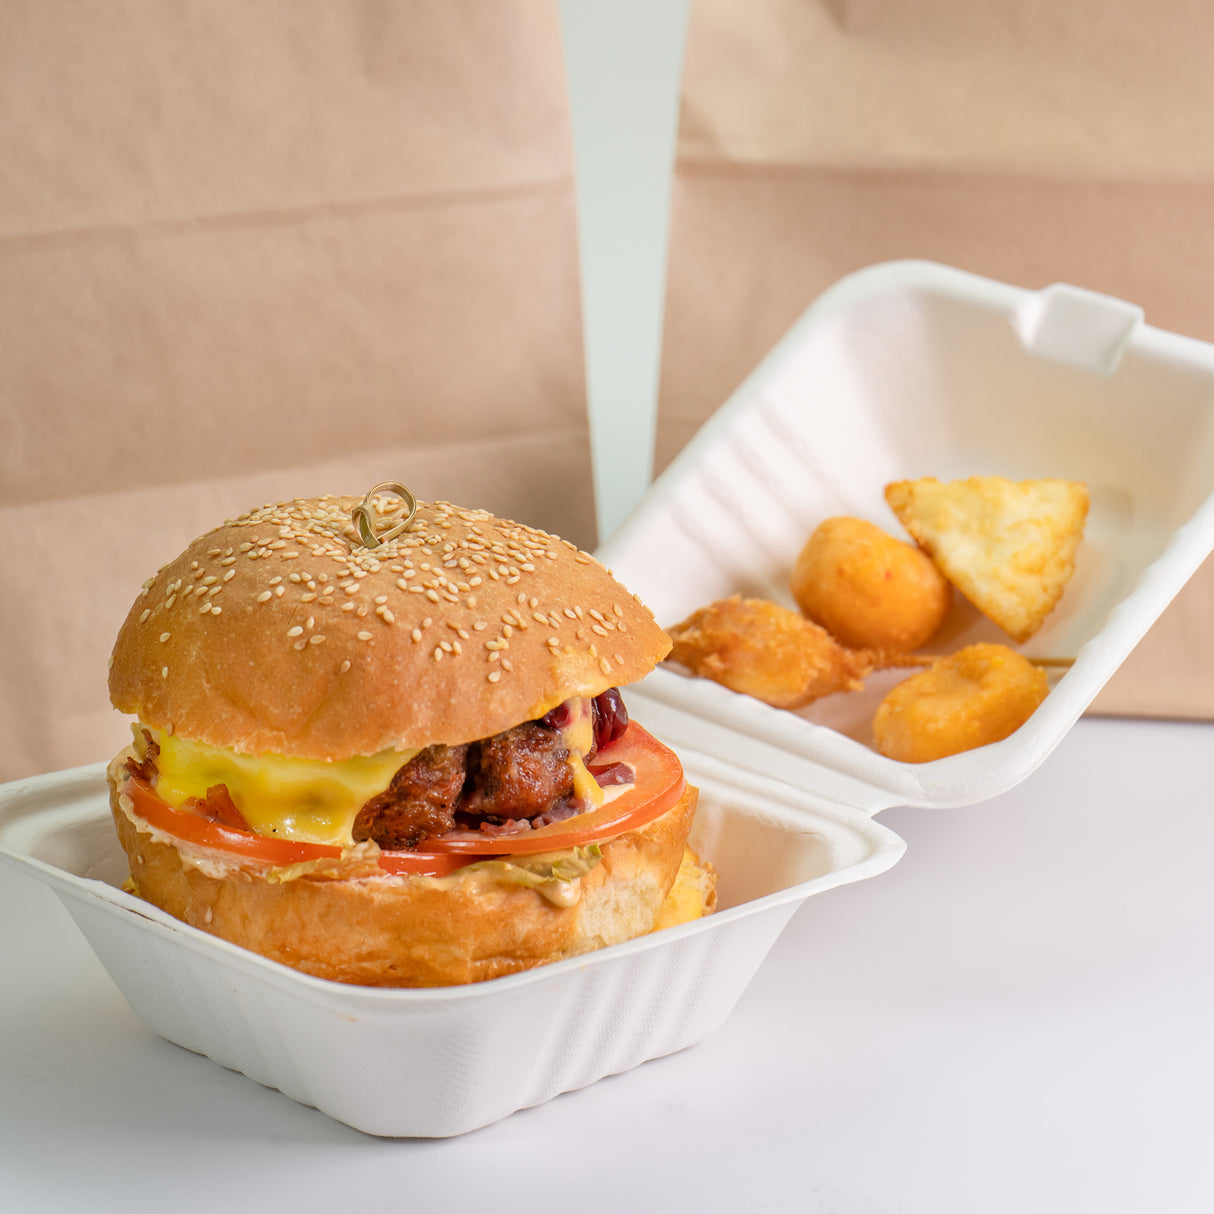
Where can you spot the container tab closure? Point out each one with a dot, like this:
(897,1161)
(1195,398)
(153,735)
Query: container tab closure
(1080,328)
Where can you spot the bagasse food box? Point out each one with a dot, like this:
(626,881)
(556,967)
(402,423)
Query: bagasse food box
(903,370)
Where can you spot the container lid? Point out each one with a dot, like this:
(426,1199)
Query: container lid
(907,370)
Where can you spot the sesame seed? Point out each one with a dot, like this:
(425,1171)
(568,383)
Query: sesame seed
(344,666)
(295,632)
(280,590)
(216,610)
(387,616)
(438,653)
(347,606)
(381,599)
(311,622)
(317,639)
(144,617)
(364,636)
(301,644)
(617,609)
(164,672)
(307,598)
(432,595)
(164,636)
(494,675)
(604,665)
(416,634)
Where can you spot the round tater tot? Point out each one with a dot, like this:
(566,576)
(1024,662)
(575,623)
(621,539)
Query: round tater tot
(767,651)
(869,590)
(973,697)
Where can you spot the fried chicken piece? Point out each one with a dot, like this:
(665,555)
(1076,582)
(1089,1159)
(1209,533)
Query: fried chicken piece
(767,651)
(1008,546)
(869,590)
(978,695)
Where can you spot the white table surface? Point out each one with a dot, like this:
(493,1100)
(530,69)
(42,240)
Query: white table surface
(1018,1017)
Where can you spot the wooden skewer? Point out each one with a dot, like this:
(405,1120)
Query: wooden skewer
(929,659)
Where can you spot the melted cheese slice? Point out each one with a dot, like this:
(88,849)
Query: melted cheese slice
(578,739)
(310,800)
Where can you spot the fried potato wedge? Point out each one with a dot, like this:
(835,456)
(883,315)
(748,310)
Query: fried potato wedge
(1008,546)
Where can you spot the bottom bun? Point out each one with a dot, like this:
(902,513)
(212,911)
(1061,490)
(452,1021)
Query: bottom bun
(413,931)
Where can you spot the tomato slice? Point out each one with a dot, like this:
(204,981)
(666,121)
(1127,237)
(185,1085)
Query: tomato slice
(263,849)
(658,786)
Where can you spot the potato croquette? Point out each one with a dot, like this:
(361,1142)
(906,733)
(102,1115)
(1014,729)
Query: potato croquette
(869,590)
(767,651)
(1008,546)
(976,696)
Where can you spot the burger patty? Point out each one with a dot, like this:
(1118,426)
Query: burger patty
(419,802)
(519,775)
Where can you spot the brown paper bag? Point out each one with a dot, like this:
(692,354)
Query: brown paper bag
(260,251)
(1028,141)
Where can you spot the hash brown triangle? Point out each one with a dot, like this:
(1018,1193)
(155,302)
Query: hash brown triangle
(1008,546)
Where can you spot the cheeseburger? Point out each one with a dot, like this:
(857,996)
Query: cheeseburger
(383,742)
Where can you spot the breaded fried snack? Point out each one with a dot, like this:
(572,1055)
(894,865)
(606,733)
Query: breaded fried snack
(867,589)
(1008,546)
(973,697)
(767,651)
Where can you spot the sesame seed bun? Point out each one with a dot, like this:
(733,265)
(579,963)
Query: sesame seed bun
(279,632)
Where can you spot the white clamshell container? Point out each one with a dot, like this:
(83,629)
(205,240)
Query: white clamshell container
(433,1063)
(900,371)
